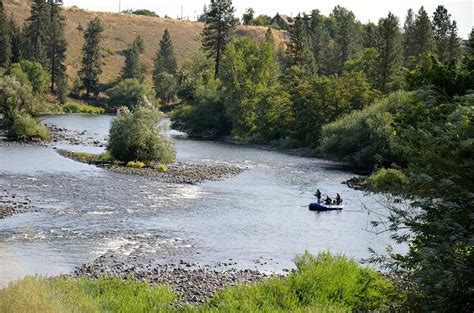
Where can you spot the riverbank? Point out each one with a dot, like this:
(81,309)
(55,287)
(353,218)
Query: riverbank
(194,284)
(177,173)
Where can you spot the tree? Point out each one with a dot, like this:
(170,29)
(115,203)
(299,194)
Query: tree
(317,33)
(218,30)
(32,74)
(131,93)
(5,39)
(134,136)
(15,39)
(454,44)
(389,47)
(441,30)
(370,35)
(166,86)
(422,34)
(408,37)
(298,51)
(91,57)
(248,16)
(134,68)
(36,31)
(56,46)
(345,37)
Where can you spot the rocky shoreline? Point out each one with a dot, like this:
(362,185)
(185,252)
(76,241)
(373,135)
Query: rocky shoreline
(194,284)
(10,204)
(177,173)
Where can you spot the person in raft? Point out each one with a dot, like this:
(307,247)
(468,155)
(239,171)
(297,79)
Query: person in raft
(338,199)
(318,195)
(328,200)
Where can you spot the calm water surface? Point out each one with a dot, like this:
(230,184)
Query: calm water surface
(258,219)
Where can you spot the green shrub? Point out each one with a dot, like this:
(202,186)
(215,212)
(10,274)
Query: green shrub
(130,93)
(73,107)
(365,137)
(31,73)
(387,180)
(136,164)
(321,283)
(15,99)
(163,168)
(89,157)
(135,137)
(26,127)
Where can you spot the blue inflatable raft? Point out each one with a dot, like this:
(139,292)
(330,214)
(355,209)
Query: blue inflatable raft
(322,207)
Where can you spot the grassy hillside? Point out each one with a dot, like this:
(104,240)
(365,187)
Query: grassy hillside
(121,29)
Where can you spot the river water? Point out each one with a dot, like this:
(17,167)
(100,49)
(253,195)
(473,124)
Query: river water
(258,219)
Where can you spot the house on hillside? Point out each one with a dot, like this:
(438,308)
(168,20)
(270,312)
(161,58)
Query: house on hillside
(282,21)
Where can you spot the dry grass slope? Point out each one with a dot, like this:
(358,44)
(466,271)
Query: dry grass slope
(121,30)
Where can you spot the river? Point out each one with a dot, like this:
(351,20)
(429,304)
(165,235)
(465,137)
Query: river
(258,219)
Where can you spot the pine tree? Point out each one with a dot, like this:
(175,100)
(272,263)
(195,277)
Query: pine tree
(408,37)
(441,29)
(454,51)
(134,68)
(218,30)
(36,30)
(299,53)
(248,16)
(165,69)
(370,35)
(56,46)
(15,39)
(91,57)
(390,52)
(165,60)
(5,40)
(345,35)
(422,34)
(317,32)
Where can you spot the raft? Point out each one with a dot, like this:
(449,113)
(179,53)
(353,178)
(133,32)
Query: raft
(322,207)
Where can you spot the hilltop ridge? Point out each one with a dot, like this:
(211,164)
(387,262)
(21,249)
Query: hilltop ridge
(121,29)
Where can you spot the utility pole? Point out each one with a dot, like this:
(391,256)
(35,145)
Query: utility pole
(120,6)
(181,11)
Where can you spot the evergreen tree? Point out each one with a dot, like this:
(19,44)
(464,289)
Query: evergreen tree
(165,60)
(454,52)
(36,31)
(345,35)
(91,57)
(370,36)
(441,30)
(134,68)
(15,39)
(56,46)
(422,34)
(317,32)
(219,28)
(5,41)
(165,69)
(299,53)
(408,37)
(389,47)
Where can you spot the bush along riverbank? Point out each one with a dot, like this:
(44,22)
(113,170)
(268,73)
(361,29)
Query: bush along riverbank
(320,283)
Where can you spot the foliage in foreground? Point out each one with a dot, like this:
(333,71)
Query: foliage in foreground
(322,283)
(134,136)
(83,295)
(26,127)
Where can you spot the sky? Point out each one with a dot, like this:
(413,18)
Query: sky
(365,10)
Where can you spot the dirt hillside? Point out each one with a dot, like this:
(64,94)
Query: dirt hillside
(121,30)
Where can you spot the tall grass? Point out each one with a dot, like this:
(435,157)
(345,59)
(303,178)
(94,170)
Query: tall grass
(34,294)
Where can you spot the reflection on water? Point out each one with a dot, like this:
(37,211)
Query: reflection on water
(83,211)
